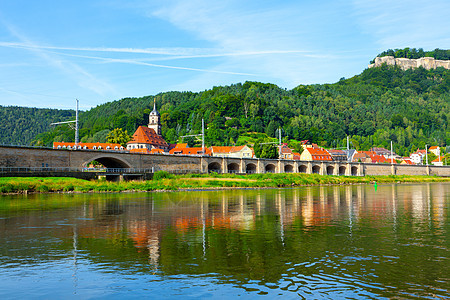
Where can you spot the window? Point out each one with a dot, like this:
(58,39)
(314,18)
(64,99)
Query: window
(115,148)
(99,147)
(95,147)
(85,147)
(59,147)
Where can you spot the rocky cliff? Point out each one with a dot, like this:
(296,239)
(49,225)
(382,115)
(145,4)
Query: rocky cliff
(406,63)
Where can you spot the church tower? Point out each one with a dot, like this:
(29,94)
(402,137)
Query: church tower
(154,120)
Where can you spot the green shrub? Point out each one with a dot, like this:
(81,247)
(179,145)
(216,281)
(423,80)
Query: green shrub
(161,175)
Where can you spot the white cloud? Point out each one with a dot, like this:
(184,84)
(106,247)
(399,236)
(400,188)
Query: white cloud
(83,78)
(282,35)
(399,24)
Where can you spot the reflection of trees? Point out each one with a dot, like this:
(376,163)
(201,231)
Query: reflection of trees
(330,232)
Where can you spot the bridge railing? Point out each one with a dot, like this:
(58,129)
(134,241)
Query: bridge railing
(64,169)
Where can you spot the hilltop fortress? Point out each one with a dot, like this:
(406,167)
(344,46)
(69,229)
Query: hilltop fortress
(406,63)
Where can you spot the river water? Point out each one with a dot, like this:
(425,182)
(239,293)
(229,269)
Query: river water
(331,242)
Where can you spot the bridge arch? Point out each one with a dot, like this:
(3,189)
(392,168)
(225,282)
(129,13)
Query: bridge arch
(270,168)
(316,169)
(342,170)
(354,171)
(110,162)
(302,169)
(330,170)
(250,168)
(233,168)
(288,168)
(214,167)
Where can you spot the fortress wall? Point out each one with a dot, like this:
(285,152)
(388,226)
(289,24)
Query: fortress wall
(406,63)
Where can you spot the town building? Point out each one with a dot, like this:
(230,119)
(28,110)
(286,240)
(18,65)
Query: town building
(337,155)
(149,137)
(232,151)
(418,156)
(406,161)
(436,150)
(285,152)
(438,161)
(361,157)
(370,157)
(384,152)
(315,154)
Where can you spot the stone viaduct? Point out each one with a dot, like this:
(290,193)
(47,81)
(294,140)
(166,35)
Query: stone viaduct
(41,158)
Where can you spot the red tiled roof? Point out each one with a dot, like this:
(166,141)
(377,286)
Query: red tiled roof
(375,157)
(226,149)
(285,149)
(145,135)
(437,159)
(140,150)
(190,151)
(319,154)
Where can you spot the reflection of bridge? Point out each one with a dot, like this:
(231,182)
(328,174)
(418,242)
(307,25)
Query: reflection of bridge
(48,159)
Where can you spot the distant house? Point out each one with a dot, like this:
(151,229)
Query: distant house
(232,151)
(438,161)
(370,157)
(315,154)
(361,157)
(384,152)
(436,150)
(89,146)
(337,155)
(406,161)
(285,152)
(296,156)
(418,156)
(350,153)
(146,138)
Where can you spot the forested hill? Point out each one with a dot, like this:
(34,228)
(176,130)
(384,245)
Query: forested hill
(410,107)
(20,125)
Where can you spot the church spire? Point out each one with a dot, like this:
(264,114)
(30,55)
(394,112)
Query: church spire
(154,119)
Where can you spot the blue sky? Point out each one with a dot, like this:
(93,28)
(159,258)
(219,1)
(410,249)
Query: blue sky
(52,52)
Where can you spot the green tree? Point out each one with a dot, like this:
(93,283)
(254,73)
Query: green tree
(118,136)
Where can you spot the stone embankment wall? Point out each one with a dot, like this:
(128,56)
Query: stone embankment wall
(406,63)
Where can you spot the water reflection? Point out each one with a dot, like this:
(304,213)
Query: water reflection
(329,241)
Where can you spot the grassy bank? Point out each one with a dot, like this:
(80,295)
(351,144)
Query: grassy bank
(165,181)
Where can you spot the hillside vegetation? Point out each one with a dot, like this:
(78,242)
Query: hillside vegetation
(20,125)
(410,107)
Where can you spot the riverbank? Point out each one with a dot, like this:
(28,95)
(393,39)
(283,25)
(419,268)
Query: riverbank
(167,182)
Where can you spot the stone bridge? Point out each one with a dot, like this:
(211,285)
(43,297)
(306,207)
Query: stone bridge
(29,157)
